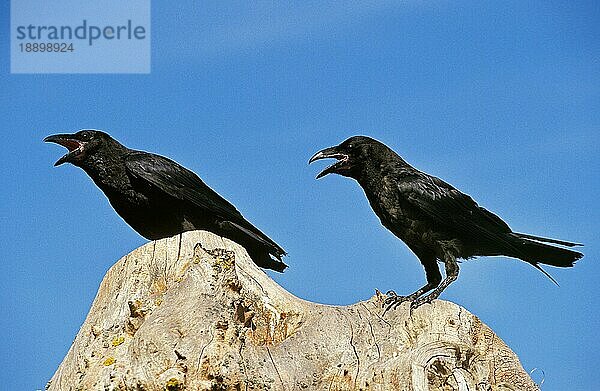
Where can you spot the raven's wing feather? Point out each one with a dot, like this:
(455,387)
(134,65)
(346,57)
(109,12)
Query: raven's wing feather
(181,183)
(455,211)
(459,214)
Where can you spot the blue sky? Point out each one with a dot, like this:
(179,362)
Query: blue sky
(501,99)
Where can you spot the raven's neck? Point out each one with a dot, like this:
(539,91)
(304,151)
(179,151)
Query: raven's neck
(372,174)
(107,169)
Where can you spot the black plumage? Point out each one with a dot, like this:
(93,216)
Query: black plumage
(435,220)
(159,198)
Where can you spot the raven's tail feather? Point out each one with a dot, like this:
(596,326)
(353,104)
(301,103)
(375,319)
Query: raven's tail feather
(534,252)
(547,240)
(263,251)
(263,259)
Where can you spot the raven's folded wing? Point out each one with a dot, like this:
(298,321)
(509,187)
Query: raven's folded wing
(181,183)
(459,214)
(455,212)
(178,182)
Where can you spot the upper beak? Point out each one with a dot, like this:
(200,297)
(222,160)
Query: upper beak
(67,141)
(323,154)
(331,152)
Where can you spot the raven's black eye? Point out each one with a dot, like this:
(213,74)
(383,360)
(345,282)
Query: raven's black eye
(85,136)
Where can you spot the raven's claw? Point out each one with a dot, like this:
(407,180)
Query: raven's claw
(420,301)
(393,300)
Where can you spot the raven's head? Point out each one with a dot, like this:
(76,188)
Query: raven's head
(352,156)
(81,145)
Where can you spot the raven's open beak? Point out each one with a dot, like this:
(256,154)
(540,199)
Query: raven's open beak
(328,153)
(74,146)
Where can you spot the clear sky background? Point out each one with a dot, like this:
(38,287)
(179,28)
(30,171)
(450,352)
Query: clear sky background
(501,99)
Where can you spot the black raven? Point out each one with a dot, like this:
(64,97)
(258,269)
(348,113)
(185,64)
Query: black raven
(159,198)
(435,220)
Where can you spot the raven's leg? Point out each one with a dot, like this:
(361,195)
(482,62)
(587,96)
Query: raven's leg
(432,271)
(451,276)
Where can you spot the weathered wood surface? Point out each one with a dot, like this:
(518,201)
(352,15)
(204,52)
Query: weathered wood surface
(179,315)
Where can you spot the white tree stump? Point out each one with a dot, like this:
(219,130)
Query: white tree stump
(193,312)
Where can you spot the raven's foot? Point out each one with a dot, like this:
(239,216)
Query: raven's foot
(393,300)
(422,300)
(451,275)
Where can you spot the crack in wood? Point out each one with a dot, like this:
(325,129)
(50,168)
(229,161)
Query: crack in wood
(275,366)
(372,333)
